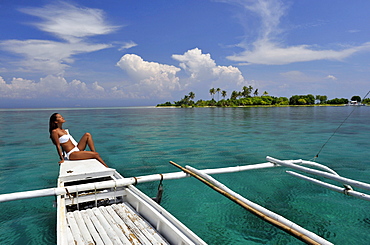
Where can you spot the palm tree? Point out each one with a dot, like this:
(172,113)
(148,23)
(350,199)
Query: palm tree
(223,94)
(255,92)
(250,89)
(244,92)
(212,92)
(191,95)
(265,93)
(218,93)
(234,95)
(247,91)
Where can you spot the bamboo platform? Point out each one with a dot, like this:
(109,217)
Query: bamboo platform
(115,224)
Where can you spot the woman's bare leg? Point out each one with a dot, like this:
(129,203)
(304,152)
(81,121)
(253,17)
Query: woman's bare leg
(86,140)
(82,155)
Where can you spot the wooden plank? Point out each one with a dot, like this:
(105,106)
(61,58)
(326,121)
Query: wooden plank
(83,229)
(139,223)
(90,226)
(115,226)
(84,197)
(125,229)
(70,239)
(100,229)
(77,236)
(138,233)
(143,225)
(112,235)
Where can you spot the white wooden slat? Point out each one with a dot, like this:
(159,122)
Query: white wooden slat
(112,235)
(70,239)
(143,225)
(117,229)
(138,233)
(92,196)
(90,226)
(103,234)
(125,229)
(83,229)
(77,236)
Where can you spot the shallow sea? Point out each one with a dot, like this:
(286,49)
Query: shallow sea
(141,141)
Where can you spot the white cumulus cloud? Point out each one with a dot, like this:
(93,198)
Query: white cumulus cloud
(49,87)
(202,68)
(149,78)
(155,79)
(146,79)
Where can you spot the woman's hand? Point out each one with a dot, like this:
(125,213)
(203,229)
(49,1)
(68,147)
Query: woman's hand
(61,161)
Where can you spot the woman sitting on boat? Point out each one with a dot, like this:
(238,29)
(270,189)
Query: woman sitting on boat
(64,141)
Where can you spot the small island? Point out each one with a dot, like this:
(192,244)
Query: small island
(250,97)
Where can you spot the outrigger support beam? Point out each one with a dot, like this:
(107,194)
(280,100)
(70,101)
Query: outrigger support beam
(346,191)
(332,176)
(123,182)
(261,212)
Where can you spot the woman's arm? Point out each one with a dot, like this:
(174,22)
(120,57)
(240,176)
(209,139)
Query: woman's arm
(55,138)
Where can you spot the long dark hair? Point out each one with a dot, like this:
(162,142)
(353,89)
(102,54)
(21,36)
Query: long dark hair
(52,124)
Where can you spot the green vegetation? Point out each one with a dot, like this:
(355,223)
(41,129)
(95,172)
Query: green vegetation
(249,97)
(366,101)
(337,101)
(302,100)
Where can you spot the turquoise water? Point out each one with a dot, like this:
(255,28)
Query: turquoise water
(141,141)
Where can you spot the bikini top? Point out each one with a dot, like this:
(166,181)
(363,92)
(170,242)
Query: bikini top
(64,138)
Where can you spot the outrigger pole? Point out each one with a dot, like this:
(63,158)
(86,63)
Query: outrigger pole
(295,164)
(332,176)
(123,182)
(261,212)
(347,183)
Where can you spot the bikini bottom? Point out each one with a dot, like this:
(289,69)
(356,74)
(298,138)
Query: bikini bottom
(70,152)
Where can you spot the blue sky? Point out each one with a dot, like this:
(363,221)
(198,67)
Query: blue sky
(127,53)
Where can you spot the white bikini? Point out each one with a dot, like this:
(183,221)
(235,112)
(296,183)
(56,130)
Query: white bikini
(63,139)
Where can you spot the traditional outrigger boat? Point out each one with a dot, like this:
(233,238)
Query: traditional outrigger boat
(96,210)
(96,205)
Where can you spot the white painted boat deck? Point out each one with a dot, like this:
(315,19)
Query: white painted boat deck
(76,170)
(115,224)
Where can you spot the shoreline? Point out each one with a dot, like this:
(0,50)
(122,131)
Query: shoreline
(322,105)
(148,107)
